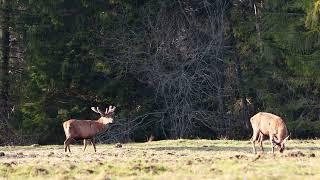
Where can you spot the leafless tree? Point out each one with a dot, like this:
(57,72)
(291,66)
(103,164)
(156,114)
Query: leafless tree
(179,51)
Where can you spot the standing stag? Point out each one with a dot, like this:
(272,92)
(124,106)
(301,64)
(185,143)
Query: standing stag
(87,129)
(267,124)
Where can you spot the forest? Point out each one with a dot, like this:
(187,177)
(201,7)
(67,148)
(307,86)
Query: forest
(173,68)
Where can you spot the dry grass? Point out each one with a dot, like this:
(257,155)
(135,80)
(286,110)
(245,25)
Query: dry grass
(172,159)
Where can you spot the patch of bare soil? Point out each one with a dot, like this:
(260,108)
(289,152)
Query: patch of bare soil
(39,171)
(33,155)
(147,169)
(118,145)
(153,169)
(299,154)
(6,164)
(86,171)
(311,155)
(256,158)
(216,171)
(51,154)
(238,156)
(154,160)
(295,154)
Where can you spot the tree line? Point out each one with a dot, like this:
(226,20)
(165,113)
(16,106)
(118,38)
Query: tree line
(174,69)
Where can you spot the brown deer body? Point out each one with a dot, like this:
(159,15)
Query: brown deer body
(86,129)
(267,124)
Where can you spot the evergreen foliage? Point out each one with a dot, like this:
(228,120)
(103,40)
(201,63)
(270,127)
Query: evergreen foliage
(169,68)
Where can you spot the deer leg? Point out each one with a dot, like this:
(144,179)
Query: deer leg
(272,142)
(253,140)
(93,144)
(261,140)
(84,144)
(67,144)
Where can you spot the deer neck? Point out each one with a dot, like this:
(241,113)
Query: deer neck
(281,136)
(105,120)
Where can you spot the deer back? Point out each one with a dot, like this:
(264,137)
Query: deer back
(82,129)
(268,123)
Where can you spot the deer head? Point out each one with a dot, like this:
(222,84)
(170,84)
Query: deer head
(282,144)
(106,117)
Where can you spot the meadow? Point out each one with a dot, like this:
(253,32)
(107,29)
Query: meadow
(168,159)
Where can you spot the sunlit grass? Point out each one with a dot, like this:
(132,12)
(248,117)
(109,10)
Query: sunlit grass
(171,159)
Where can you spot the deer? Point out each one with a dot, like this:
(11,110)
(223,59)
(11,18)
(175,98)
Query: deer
(87,129)
(267,124)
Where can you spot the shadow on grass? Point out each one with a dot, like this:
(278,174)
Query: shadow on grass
(229,148)
(303,148)
(206,148)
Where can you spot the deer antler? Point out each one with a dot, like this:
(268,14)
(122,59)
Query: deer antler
(97,110)
(100,111)
(110,110)
(94,109)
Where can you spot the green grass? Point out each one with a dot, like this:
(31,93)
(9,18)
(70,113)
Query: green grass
(171,159)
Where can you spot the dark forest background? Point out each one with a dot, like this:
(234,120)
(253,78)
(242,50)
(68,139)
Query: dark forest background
(173,68)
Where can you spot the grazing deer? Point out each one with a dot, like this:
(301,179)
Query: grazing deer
(267,124)
(87,129)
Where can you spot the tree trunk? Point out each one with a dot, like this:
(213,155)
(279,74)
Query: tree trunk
(5,54)
(245,110)
(224,125)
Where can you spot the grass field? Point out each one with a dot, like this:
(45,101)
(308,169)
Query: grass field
(172,159)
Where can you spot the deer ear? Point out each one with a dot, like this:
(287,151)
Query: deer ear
(275,142)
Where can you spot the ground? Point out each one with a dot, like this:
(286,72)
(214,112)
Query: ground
(170,159)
